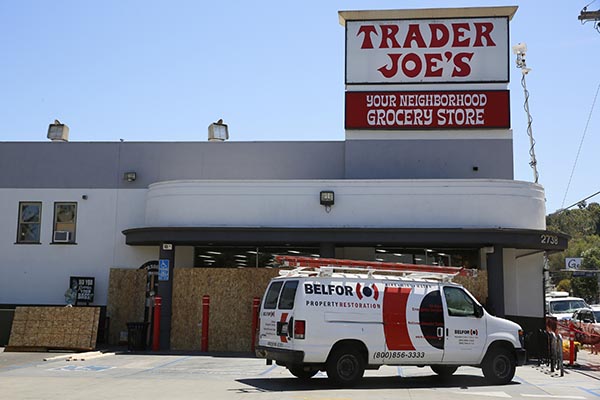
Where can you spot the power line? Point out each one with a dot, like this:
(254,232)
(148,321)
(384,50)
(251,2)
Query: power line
(580,145)
(579,202)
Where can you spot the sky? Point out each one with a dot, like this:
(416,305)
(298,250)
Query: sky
(272,70)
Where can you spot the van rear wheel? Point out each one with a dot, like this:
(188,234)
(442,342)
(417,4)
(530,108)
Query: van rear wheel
(499,366)
(345,367)
(444,371)
(301,373)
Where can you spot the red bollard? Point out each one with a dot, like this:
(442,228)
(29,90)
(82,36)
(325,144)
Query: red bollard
(255,306)
(205,311)
(156,324)
(571,343)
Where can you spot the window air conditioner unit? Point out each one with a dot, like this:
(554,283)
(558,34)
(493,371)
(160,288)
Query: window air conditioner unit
(62,236)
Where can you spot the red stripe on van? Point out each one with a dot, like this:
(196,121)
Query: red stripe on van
(395,327)
(283,319)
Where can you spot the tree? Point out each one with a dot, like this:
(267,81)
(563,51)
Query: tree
(583,225)
(564,285)
(577,247)
(591,258)
(576,222)
(586,288)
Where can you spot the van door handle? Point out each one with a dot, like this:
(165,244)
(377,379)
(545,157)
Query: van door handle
(440,331)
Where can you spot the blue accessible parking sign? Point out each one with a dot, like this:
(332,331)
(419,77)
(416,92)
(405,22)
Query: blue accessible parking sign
(163,270)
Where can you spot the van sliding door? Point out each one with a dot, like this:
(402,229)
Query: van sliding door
(413,324)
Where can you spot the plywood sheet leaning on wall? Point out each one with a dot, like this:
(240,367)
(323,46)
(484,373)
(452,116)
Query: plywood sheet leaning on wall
(51,328)
(477,285)
(231,292)
(126,300)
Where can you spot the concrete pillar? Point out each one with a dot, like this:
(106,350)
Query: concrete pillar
(165,290)
(495,270)
(327,250)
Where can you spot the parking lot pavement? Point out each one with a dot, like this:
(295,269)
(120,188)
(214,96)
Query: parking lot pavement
(149,376)
(587,363)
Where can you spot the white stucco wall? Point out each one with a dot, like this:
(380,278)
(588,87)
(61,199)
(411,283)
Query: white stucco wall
(523,283)
(358,203)
(39,273)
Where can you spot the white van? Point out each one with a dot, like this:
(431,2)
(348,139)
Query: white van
(343,317)
(562,306)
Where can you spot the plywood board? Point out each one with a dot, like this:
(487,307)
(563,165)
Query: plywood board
(231,293)
(126,300)
(36,328)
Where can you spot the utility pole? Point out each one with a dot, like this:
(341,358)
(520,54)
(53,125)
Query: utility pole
(587,16)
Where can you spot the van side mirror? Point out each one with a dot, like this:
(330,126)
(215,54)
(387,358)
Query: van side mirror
(478,311)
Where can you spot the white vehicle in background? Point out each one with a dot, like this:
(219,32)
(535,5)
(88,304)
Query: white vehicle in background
(562,306)
(345,316)
(596,310)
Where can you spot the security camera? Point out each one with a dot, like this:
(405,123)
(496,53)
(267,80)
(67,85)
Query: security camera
(520,48)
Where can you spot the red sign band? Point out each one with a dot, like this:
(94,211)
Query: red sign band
(476,109)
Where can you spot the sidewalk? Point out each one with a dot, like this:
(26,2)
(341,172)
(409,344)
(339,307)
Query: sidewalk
(587,363)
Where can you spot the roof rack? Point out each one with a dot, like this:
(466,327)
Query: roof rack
(314,266)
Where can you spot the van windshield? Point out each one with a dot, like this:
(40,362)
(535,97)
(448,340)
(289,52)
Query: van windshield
(566,306)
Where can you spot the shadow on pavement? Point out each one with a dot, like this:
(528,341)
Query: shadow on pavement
(383,382)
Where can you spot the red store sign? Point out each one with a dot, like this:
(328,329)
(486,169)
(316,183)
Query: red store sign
(475,109)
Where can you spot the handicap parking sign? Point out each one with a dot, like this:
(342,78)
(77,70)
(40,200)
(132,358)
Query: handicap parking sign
(163,270)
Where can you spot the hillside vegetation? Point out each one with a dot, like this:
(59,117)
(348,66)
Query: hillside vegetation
(583,225)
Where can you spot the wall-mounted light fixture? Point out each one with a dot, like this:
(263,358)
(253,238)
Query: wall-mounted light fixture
(218,132)
(130,176)
(58,132)
(327,199)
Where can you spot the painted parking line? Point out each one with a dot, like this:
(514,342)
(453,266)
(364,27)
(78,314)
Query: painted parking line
(501,395)
(82,368)
(28,365)
(160,366)
(548,396)
(268,370)
(590,391)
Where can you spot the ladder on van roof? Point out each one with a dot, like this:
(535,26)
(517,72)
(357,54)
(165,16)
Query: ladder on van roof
(316,266)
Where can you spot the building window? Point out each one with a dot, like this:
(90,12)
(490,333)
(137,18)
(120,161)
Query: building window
(448,257)
(30,219)
(65,221)
(246,257)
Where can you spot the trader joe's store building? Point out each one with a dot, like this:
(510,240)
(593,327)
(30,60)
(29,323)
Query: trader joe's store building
(424,175)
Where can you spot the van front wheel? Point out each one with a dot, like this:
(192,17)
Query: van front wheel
(444,371)
(345,367)
(499,366)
